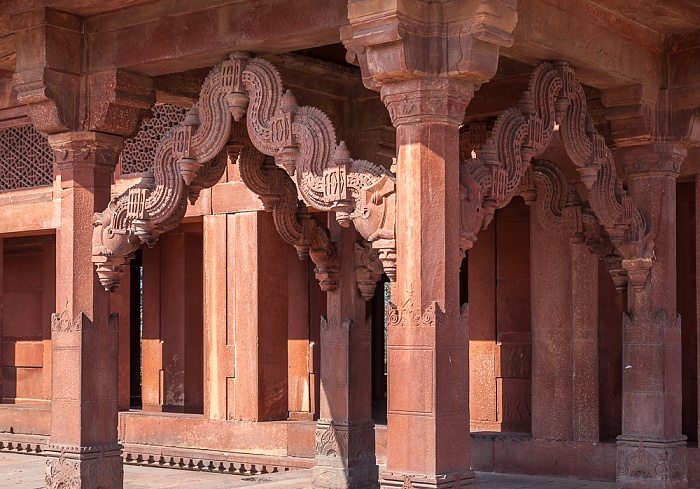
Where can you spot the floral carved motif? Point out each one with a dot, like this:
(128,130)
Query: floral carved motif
(63,323)
(68,467)
(301,140)
(661,460)
(607,220)
(410,315)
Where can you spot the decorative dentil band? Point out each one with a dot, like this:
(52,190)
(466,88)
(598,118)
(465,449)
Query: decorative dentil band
(502,169)
(192,156)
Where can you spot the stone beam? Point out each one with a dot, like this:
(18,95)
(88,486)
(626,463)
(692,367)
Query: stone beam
(171,37)
(605,49)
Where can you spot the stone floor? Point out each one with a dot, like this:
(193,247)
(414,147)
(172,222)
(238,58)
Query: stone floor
(27,472)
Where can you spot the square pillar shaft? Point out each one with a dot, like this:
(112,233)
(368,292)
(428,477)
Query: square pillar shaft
(651,450)
(428,335)
(246,318)
(84,449)
(345,457)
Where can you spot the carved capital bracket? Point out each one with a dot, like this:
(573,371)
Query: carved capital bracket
(427,100)
(391,41)
(631,111)
(368,269)
(653,159)
(61,94)
(86,149)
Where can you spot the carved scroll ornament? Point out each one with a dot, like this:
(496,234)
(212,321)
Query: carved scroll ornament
(300,139)
(503,170)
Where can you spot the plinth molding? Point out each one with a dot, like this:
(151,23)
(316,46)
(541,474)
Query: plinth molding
(454,480)
(651,462)
(70,466)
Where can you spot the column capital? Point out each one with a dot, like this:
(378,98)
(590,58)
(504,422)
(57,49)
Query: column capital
(653,159)
(427,100)
(86,149)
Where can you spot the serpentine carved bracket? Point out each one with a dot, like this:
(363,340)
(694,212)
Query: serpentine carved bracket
(608,221)
(302,154)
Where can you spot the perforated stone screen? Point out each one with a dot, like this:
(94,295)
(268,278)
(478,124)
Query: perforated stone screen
(139,151)
(26,160)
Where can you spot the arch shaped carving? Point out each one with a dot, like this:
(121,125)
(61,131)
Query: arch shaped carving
(300,140)
(607,220)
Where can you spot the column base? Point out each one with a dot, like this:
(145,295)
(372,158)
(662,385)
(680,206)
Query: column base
(84,467)
(324,477)
(651,463)
(345,457)
(452,480)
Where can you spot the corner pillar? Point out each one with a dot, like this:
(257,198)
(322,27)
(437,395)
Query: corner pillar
(83,450)
(428,335)
(651,451)
(345,456)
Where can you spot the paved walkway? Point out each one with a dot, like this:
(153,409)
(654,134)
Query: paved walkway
(27,472)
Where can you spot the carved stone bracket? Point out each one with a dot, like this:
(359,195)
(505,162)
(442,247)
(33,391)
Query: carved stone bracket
(277,191)
(368,269)
(391,43)
(302,142)
(502,170)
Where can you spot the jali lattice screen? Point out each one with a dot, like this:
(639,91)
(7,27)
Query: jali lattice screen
(26,160)
(139,151)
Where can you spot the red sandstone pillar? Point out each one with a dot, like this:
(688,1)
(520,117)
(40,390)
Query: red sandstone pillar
(564,281)
(345,457)
(584,290)
(83,449)
(246,318)
(651,451)
(551,285)
(428,338)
